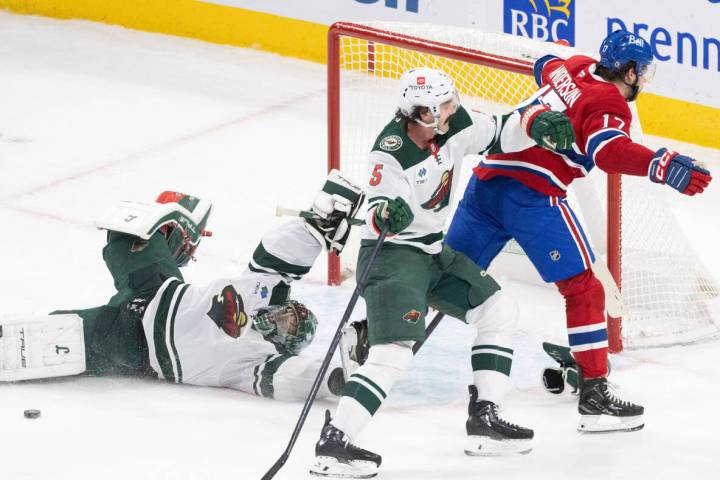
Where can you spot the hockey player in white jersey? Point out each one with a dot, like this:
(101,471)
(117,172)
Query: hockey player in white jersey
(242,332)
(414,165)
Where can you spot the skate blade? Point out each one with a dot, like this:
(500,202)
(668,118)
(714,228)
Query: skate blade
(609,424)
(478,446)
(330,467)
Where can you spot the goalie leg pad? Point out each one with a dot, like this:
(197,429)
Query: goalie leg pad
(46,346)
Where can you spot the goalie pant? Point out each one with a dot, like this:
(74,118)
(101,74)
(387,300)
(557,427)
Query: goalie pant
(158,325)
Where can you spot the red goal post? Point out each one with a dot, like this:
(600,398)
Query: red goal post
(364,62)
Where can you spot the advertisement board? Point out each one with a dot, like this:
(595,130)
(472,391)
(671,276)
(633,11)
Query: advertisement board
(684,35)
(681,102)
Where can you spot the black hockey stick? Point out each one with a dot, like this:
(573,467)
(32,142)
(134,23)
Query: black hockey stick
(328,356)
(434,323)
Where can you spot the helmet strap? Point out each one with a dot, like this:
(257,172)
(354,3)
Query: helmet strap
(634,87)
(433,125)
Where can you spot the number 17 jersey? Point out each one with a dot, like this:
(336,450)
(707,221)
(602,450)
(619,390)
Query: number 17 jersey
(600,117)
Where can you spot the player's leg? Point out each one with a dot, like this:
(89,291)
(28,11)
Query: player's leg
(254,366)
(465,291)
(114,339)
(475,229)
(395,297)
(554,240)
(41,346)
(138,266)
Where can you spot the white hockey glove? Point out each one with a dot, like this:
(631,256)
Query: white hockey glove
(338,201)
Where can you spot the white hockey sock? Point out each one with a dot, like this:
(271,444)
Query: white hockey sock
(367,388)
(496,321)
(491,364)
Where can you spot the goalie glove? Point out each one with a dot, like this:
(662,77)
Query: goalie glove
(678,171)
(338,201)
(554,379)
(179,217)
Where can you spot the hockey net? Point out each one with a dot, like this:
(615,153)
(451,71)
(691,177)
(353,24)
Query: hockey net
(669,297)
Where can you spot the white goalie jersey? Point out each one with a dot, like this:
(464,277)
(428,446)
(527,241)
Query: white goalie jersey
(202,335)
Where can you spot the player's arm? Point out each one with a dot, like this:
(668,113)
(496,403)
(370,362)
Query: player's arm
(336,204)
(611,148)
(388,193)
(539,68)
(291,249)
(530,125)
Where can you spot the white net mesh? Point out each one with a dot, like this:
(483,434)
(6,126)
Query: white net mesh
(669,296)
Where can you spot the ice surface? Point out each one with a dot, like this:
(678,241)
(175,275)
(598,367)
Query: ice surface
(90,114)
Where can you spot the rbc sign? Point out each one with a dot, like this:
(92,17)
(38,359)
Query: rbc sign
(547,20)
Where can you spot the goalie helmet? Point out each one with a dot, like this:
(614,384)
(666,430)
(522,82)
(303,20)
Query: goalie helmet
(290,325)
(426,87)
(183,232)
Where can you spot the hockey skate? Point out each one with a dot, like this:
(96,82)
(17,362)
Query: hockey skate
(489,434)
(336,457)
(354,346)
(601,411)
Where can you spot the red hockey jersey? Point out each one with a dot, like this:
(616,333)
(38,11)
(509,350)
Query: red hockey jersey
(600,117)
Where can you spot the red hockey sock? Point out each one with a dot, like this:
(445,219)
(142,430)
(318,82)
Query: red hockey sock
(587,331)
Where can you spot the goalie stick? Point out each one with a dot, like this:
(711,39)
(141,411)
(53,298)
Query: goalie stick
(328,356)
(289,212)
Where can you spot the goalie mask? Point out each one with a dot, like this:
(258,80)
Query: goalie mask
(291,325)
(429,88)
(184,228)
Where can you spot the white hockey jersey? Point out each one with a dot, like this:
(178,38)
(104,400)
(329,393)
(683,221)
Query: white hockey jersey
(202,335)
(425,178)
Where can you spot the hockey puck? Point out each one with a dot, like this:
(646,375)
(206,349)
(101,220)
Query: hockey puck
(32,413)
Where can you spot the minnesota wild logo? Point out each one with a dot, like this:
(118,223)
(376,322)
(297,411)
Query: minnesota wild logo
(412,316)
(227,311)
(441,196)
(391,143)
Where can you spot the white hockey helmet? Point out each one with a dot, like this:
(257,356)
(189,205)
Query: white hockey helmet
(426,87)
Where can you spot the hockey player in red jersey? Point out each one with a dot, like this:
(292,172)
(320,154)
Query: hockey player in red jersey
(523,196)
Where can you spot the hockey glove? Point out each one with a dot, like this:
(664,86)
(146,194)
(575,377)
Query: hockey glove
(550,130)
(680,172)
(554,379)
(396,213)
(338,201)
